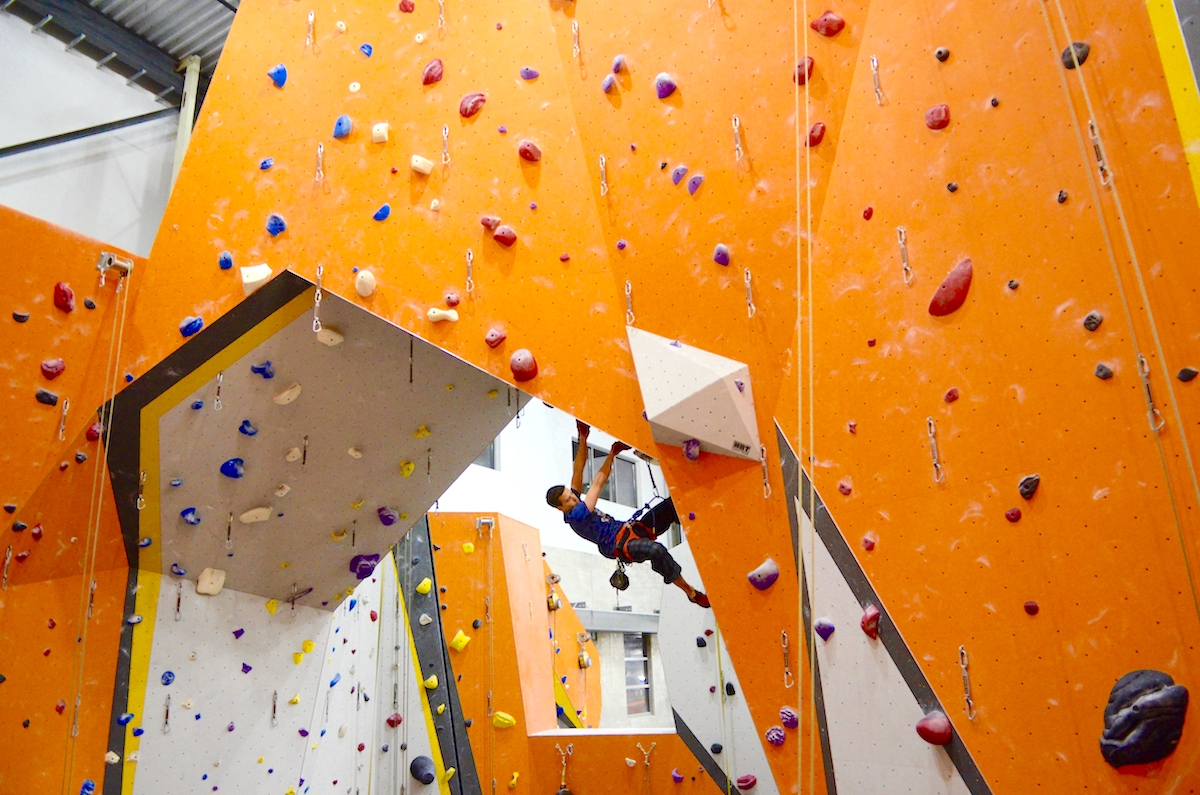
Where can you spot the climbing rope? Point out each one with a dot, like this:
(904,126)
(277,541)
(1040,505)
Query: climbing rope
(725,736)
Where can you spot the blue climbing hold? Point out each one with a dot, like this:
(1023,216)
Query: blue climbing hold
(145,542)
(529,73)
(190,516)
(177,482)
(191,325)
(266,164)
(367,49)
(275,224)
(233,468)
(129,378)
(353,602)
(246,429)
(336,678)
(197,405)
(383,212)
(178,570)
(125,718)
(266,369)
(139,731)
(278,75)
(88,788)
(341,127)
(225,260)
(168,677)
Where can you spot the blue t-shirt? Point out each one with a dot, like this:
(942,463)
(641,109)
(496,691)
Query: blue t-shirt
(596,526)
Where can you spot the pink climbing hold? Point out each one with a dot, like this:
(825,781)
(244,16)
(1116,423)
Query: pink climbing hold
(94,431)
(746,782)
(937,117)
(816,134)
(870,622)
(935,728)
(529,151)
(64,297)
(505,235)
(951,395)
(471,104)
(494,337)
(953,290)
(394,720)
(788,717)
(53,368)
(433,74)
(803,71)
(362,746)
(452,299)
(524,366)
(490,222)
(828,24)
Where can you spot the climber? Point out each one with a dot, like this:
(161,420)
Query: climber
(632,541)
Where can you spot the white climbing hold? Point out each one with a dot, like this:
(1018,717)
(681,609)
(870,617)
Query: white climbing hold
(364,283)
(293,455)
(187,703)
(111,758)
(132,756)
(355,87)
(341,26)
(630,762)
(354,452)
(422,165)
(211,582)
(424,620)
(283,490)
(419,38)
(328,336)
(256,515)
(342,730)
(255,276)
(288,395)
(435,205)
(379,132)
(437,314)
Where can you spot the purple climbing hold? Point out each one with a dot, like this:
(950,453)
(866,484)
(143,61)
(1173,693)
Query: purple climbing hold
(691,449)
(342,127)
(237,633)
(618,64)
(225,260)
(367,49)
(775,735)
(741,385)
(246,668)
(266,369)
(529,73)
(608,83)
(765,575)
(278,75)
(387,516)
(664,85)
(246,429)
(676,776)
(233,468)
(303,732)
(1187,374)
(190,516)
(622,245)
(824,628)
(694,183)
(678,173)
(788,717)
(228,728)
(363,565)
(383,212)
(721,254)
(275,224)
(191,325)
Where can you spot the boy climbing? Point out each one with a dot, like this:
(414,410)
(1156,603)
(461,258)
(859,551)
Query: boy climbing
(631,541)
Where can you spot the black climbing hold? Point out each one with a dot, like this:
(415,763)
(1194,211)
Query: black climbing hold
(444,607)
(10,507)
(1093,320)
(941,53)
(416,561)
(662,165)
(476,624)
(20,317)
(80,457)
(729,691)
(1062,197)
(1143,719)
(89,303)
(3,679)
(25,723)
(716,748)
(1187,374)
(1029,486)
(1082,50)
(468,722)
(18,526)
(995,102)
(1103,371)
(436,548)
(442,589)
(403,746)
(952,186)
(422,770)
(48,398)
(1013,284)
(701,642)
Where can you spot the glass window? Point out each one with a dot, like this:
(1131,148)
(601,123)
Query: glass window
(621,487)
(637,674)
(488,457)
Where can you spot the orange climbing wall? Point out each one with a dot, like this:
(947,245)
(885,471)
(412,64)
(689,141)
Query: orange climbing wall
(1101,547)
(582,684)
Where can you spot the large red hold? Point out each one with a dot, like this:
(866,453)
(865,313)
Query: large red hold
(394,720)
(816,134)
(529,151)
(828,24)
(407,6)
(870,622)
(524,366)
(64,297)
(953,292)
(505,235)
(935,728)
(937,117)
(803,71)
(433,74)
(53,368)
(471,104)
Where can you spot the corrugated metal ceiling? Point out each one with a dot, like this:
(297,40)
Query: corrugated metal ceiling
(178,27)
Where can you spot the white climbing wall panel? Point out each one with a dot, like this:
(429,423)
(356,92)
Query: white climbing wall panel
(869,709)
(691,393)
(691,671)
(211,692)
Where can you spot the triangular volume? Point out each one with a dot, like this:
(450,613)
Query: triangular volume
(691,393)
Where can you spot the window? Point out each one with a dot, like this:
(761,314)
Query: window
(621,487)
(637,674)
(488,457)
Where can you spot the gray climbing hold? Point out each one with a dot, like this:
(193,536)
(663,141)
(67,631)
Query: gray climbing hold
(1103,371)
(89,303)
(941,53)
(701,642)
(476,624)
(1082,50)
(1187,374)
(422,770)
(1092,321)
(1029,486)
(278,75)
(48,398)
(716,748)
(729,689)
(20,317)
(342,127)
(1143,719)
(18,526)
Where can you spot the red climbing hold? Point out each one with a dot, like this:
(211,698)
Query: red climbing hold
(452,299)
(524,366)
(362,746)
(935,728)
(870,622)
(433,74)
(746,782)
(494,337)
(505,235)
(852,426)
(844,488)
(407,6)
(36,531)
(51,623)
(828,24)
(94,431)
(394,720)
(60,706)
(871,342)
(22,556)
(803,71)
(529,151)
(951,395)
(867,213)
(471,104)
(937,117)
(953,292)
(64,297)
(374,616)
(868,543)
(816,134)
(490,222)
(1013,514)
(564,257)
(53,368)
(1032,608)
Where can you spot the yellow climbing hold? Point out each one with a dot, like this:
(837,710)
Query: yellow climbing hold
(407,468)
(403,516)
(441,709)
(260,760)
(468,547)
(358,504)
(460,641)
(349,590)
(450,773)
(425,586)
(449,387)
(421,432)
(297,657)
(284,565)
(502,720)
(493,393)
(294,699)
(338,535)
(290,791)
(308,646)
(272,605)
(431,682)
(513,784)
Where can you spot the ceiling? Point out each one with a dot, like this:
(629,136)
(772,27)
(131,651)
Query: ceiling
(356,395)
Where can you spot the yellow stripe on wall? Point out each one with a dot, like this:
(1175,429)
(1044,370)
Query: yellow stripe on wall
(1181,82)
